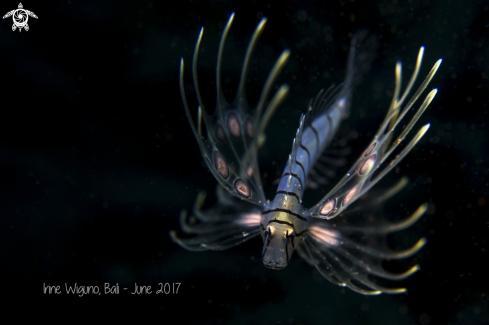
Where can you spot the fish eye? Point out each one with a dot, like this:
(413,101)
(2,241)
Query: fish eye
(270,230)
(289,235)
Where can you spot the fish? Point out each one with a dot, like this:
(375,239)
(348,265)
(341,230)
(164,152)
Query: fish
(328,235)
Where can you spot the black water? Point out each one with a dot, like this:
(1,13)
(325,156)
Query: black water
(97,158)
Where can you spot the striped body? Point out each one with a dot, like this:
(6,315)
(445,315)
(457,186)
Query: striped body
(315,139)
(285,214)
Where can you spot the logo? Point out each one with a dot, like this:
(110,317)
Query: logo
(20,17)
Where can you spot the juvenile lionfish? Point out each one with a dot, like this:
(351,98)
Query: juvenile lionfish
(342,251)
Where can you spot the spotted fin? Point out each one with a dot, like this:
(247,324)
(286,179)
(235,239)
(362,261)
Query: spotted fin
(234,131)
(361,177)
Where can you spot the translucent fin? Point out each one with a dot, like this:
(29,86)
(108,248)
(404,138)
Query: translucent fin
(327,165)
(361,176)
(234,132)
(361,54)
(228,223)
(351,254)
(363,51)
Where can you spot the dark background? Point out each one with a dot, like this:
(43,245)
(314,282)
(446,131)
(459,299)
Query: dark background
(97,158)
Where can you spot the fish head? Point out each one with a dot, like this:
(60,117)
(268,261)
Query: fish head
(278,245)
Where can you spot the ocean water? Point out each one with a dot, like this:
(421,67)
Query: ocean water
(97,158)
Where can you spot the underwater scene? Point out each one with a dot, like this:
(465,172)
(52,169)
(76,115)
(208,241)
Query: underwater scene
(246,162)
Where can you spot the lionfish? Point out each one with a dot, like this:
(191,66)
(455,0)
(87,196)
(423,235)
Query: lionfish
(344,252)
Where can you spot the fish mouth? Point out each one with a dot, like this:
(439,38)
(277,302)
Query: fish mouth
(274,266)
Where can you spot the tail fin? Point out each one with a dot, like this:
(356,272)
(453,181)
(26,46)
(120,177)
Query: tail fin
(362,53)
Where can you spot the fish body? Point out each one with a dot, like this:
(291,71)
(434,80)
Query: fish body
(346,252)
